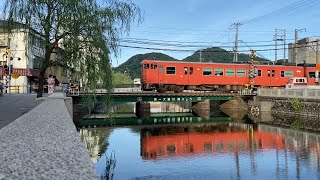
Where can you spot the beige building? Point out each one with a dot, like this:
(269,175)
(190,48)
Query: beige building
(305,50)
(27,53)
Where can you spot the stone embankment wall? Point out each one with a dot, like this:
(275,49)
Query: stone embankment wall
(44,144)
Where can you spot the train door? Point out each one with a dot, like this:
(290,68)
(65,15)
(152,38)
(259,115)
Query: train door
(271,79)
(186,72)
(160,74)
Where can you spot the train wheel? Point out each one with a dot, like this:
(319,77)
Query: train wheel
(161,89)
(179,89)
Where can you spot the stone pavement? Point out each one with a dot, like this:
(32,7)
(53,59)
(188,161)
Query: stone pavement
(13,106)
(44,144)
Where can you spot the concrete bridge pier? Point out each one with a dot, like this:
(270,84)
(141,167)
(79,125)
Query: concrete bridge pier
(142,109)
(201,108)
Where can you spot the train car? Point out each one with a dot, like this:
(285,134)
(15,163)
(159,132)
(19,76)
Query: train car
(178,76)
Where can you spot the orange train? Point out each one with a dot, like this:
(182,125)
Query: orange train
(178,76)
(181,144)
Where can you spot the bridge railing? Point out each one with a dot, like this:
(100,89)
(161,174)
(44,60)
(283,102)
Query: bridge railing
(290,93)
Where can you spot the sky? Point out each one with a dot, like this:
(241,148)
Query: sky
(206,23)
(199,24)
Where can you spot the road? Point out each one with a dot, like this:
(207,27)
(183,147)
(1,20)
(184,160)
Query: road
(13,106)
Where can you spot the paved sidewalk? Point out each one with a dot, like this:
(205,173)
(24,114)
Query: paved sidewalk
(13,106)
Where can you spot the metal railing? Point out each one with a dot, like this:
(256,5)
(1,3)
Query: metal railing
(290,93)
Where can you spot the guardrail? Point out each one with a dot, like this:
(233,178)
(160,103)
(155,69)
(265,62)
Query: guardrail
(290,93)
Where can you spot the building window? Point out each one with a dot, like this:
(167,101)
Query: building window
(218,71)
(241,72)
(312,74)
(229,72)
(171,70)
(207,71)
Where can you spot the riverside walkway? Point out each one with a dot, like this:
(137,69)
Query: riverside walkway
(44,144)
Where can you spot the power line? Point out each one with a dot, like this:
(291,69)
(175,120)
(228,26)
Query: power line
(212,50)
(283,10)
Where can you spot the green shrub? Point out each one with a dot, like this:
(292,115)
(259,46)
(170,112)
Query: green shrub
(296,104)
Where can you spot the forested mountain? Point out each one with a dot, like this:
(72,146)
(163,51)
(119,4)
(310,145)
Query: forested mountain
(132,65)
(214,54)
(218,55)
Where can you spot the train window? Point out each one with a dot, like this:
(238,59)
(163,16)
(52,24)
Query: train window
(268,73)
(241,72)
(259,73)
(191,70)
(218,71)
(146,66)
(155,66)
(273,72)
(312,74)
(207,71)
(171,70)
(288,73)
(282,73)
(185,70)
(160,69)
(229,72)
(151,65)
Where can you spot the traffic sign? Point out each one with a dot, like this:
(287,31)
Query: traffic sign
(15,75)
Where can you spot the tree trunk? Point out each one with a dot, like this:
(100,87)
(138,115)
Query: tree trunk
(41,83)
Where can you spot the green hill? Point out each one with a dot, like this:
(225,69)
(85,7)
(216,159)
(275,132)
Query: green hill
(132,65)
(218,55)
(214,54)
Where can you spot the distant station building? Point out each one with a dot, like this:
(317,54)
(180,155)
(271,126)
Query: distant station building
(304,51)
(137,82)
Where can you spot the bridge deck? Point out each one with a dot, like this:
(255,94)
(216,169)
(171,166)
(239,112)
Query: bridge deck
(161,97)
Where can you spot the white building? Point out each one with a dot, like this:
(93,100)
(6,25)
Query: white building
(27,53)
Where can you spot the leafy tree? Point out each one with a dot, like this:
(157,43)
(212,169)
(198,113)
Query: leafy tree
(87,31)
(121,78)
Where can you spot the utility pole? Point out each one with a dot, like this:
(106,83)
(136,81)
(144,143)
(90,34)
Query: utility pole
(235,59)
(317,63)
(295,46)
(276,46)
(284,46)
(281,38)
(200,55)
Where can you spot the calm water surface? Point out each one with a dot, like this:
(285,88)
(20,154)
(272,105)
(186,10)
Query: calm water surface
(210,150)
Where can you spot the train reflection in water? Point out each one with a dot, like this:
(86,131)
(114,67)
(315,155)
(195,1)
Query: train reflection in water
(158,143)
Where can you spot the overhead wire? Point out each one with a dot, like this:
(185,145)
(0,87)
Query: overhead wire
(283,10)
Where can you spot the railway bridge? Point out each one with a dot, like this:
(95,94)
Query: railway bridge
(200,100)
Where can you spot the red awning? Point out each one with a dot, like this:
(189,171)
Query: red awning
(24,72)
